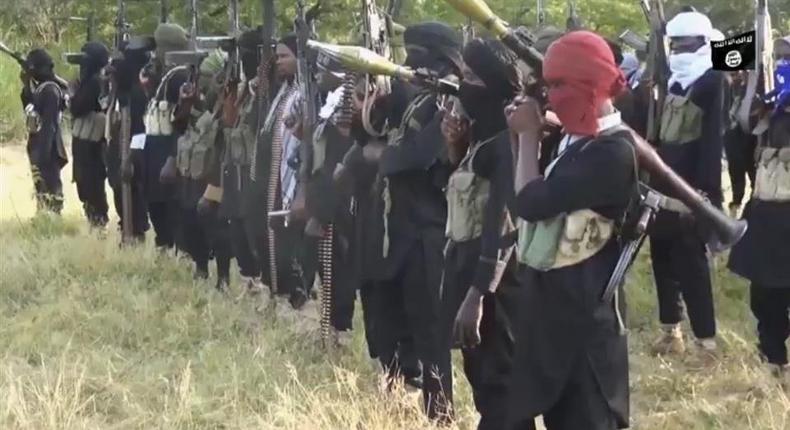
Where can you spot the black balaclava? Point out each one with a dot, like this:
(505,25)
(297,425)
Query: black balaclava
(130,65)
(95,58)
(499,70)
(249,44)
(40,65)
(434,46)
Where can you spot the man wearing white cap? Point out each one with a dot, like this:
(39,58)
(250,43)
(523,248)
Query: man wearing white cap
(691,137)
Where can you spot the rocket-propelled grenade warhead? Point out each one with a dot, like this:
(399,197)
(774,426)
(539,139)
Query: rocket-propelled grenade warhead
(359,59)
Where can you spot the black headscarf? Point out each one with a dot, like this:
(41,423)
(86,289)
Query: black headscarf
(96,56)
(438,47)
(40,64)
(249,41)
(502,74)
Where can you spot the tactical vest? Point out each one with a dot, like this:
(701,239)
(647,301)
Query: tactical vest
(89,127)
(681,120)
(240,140)
(159,114)
(564,240)
(196,146)
(32,117)
(772,180)
(467,196)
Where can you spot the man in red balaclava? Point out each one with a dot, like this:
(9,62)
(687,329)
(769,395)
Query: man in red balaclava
(571,359)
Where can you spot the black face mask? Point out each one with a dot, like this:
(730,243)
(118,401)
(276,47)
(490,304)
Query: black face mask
(484,108)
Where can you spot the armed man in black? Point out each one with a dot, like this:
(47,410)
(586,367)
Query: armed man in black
(159,150)
(571,358)
(480,283)
(88,145)
(273,185)
(125,71)
(762,255)
(235,158)
(415,168)
(204,234)
(691,135)
(44,100)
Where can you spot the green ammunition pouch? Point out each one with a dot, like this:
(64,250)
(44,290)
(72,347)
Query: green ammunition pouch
(89,127)
(196,147)
(564,240)
(772,180)
(467,195)
(681,120)
(240,140)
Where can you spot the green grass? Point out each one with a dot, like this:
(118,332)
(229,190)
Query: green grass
(93,337)
(11,120)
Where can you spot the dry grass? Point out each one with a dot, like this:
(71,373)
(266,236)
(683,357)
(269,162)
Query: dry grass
(96,338)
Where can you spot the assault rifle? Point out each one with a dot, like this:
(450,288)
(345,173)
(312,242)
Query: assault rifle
(656,75)
(193,17)
(634,41)
(266,54)
(760,81)
(573,22)
(307,86)
(119,111)
(164,11)
(725,231)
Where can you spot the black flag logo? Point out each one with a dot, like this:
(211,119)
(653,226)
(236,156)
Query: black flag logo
(735,53)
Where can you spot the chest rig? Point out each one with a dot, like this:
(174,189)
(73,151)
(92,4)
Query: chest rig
(568,238)
(772,180)
(159,113)
(681,119)
(32,117)
(467,196)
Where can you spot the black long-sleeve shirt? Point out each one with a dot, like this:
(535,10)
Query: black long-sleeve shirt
(86,99)
(597,175)
(46,145)
(699,161)
(494,162)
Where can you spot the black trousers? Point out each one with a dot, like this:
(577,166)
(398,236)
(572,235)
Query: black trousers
(770,305)
(240,245)
(48,186)
(164,218)
(90,174)
(682,274)
(139,208)
(394,340)
(581,405)
(416,286)
(217,232)
(739,147)
(289,250)
(488,366)
(194,238)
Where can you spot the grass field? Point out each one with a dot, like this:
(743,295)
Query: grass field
(93,337)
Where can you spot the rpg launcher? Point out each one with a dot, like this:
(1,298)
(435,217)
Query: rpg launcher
(23,64)
(517,40)
(361,60)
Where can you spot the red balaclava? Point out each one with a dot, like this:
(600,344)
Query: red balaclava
(582,64)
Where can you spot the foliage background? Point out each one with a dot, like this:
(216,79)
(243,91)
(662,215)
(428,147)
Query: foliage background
(50,23)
